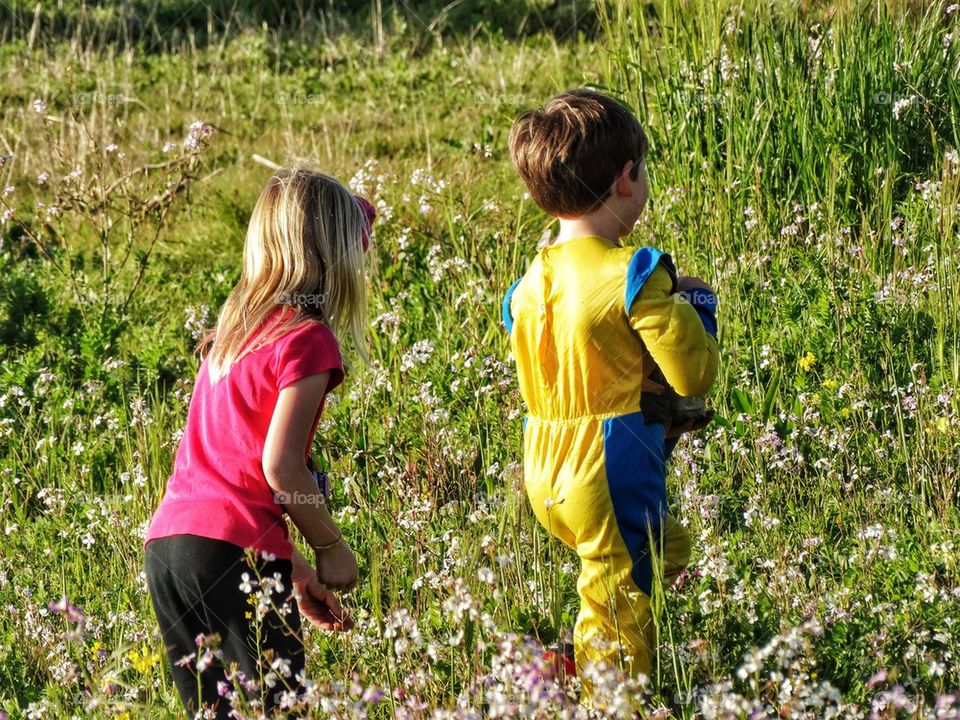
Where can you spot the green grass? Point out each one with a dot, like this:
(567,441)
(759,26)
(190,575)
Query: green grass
(823,502)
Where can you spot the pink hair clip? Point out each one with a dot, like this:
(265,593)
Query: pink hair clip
(371,213)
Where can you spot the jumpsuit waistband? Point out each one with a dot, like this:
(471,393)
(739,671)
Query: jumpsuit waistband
(579,419)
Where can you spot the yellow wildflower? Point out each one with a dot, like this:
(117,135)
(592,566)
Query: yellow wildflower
(807,361)
(143,660)
(830,384)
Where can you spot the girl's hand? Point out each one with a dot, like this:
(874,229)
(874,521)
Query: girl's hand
(337,567)
(320,606)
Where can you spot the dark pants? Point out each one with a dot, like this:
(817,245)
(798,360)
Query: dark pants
(195,584)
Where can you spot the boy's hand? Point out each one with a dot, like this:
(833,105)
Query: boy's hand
(320,606)
(677,429)
(337,567)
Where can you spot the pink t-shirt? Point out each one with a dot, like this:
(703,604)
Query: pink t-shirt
(217,488)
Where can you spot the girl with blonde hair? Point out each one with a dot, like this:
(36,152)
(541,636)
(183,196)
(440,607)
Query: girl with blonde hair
(219,561)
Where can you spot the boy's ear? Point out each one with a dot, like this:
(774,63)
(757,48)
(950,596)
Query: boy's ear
(622,184)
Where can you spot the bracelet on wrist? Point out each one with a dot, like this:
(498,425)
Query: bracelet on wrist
(321,548)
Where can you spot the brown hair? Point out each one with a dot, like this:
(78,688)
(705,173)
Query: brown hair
(569,151)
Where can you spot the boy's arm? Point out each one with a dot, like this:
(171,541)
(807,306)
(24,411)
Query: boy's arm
(681,338)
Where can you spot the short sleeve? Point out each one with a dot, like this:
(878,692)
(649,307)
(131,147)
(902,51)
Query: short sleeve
(308,351)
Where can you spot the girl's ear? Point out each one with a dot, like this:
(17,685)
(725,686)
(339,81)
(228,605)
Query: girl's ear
(622,186)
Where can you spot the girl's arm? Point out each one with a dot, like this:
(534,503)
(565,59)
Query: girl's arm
(285,469)
(316,602)
(302,569)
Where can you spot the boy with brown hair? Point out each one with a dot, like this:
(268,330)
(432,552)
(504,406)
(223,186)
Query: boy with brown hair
(589,321)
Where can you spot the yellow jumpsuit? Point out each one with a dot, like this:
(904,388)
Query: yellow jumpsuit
(579,321)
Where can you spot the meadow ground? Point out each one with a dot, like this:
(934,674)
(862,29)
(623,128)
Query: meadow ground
(803,161)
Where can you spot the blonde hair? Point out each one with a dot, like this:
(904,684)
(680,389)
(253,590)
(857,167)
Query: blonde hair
(303,250)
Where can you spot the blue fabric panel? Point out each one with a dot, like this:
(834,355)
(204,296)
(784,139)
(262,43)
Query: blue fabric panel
(505,309)
(701,298)
(708,319)
(641,266)
(636,476)
(705,303)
